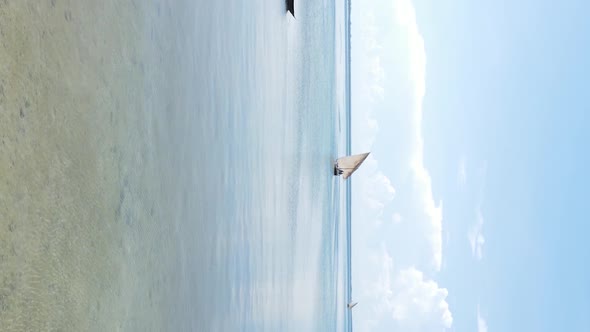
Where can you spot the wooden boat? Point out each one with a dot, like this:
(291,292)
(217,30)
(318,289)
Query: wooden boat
(345,166)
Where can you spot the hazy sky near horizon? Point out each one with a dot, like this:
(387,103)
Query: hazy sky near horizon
(471,213)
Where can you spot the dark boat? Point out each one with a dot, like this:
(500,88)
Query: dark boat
(291,6)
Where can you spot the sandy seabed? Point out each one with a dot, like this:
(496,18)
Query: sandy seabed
(88,93)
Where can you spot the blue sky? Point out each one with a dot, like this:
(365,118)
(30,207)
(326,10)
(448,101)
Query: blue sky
(471,214)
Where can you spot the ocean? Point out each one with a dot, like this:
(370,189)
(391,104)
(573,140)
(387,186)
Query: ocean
(167,166)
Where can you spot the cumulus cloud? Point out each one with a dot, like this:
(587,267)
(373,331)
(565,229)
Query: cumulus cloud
(419,302)
(405,16)
(432,229)
(395,260)
(380,48)
(375,190)
(407,298)
(371,73)
(482,326)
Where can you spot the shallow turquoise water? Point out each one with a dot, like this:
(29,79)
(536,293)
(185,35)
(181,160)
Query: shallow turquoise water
(259,226)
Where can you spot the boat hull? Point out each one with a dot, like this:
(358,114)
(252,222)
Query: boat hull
(290,6)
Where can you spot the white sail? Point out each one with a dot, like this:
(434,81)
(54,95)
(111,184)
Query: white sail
(350,164)
(351,305)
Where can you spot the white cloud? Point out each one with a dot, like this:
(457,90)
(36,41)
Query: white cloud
(421,212)
(482,326)
(405,16)
(375,188)
(407,299)
(432,228)
(389,83)
(371,91)
(418,302)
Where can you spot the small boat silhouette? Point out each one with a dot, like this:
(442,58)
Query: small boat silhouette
(291,6)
